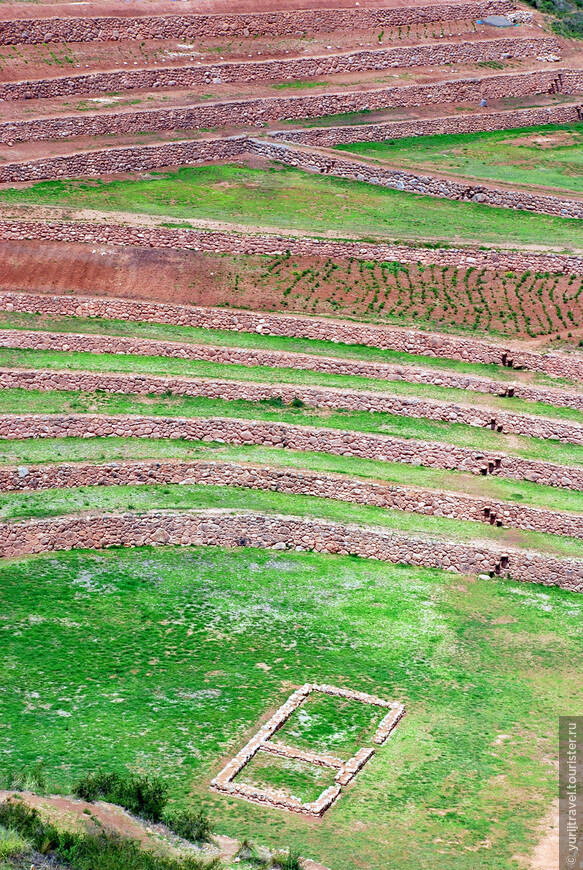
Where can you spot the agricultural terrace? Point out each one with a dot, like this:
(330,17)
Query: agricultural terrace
(291,434)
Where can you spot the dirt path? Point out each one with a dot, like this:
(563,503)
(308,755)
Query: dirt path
(78,815)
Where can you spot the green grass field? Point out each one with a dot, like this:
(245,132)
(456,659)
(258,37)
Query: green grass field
(551,155)
(165,661)
(290,199)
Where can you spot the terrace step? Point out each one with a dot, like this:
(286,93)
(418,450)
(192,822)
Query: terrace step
(527,425)
(249,113)
(109,344)
(69,28)
(281,69)
(248,529)
(336,442)
(403,339)
(135,158)
(338,487)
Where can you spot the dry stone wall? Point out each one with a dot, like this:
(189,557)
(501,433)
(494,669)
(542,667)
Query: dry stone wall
(215,528)
(312,396)
(106,161)
(338,487)
(484,50)
(260,111)
(398,179)
(257,112)
(120,345)
(336,442)
(330,136)
(113,29)
(563,365)
(136,158)
(262,742)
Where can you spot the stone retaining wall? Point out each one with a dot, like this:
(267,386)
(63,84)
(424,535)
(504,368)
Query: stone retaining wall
(257,112)
(139,158)
(561,365)
(134,158)
(269,109)
(120,345)
(484,50)
(113,29)
(336,442)
(313,396)
(217,528)
(479,122)
(399,179)
(450,505)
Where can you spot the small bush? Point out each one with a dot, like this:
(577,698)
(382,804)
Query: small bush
(248,853)
(16,816)
(275,402)
(107,852)
(287,861)
(141,795)
(297,403)
(28,778)
(195,827)
(12,844)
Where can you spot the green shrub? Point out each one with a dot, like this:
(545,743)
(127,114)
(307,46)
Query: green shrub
(112,852)
(287,861)
(195,827)
(28,778)
(17,816)
(141,795)
(12,844)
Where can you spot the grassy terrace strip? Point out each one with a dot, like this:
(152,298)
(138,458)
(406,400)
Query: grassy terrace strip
(112,450)
(551,156)
(21,401)
(280,394)
(202,336)
(44,350)
(453,506)
(168,617)
(290,199)
(354,333)
(237,528)
(116,499)
(130,363)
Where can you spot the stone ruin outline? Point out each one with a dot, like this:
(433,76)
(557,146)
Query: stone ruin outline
(345,770)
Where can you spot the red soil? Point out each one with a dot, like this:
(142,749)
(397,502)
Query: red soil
(439,298)
(191,7)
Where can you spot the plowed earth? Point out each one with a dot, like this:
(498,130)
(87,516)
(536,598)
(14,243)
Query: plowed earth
(518,305)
